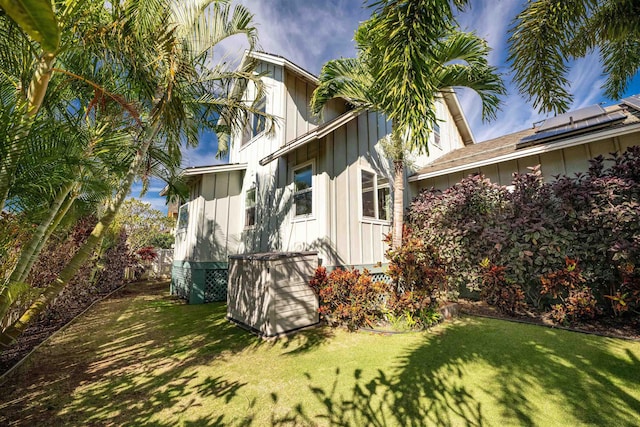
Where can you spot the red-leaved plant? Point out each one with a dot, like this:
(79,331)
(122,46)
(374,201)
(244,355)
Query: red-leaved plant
(575,299)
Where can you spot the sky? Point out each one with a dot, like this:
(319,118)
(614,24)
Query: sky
(309,33)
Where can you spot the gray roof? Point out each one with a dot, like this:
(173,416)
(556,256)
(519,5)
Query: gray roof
(508,146)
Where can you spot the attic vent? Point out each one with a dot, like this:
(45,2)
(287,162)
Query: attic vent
(571,123)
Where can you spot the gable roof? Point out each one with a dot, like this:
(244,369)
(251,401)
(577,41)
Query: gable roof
(510,147)
(449,97)
(282,61)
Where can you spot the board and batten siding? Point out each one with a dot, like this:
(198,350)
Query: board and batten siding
(450,138)
(215,220)
(337,229)
(567,161)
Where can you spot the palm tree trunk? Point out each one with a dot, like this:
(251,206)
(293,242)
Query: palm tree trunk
(398,202)
(52,227)
(10,334)
(30,250)
(35,96)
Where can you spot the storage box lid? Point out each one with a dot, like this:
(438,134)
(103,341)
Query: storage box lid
(267,256)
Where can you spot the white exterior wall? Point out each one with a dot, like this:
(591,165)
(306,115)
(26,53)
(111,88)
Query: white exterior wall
(336,229)
(213,231)
(450,138)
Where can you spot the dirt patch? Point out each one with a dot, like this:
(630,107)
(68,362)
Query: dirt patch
(627,327)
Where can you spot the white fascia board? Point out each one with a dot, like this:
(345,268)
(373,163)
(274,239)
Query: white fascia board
(460,120)
(532,151)
(202,170)
(319,132)
(284,63)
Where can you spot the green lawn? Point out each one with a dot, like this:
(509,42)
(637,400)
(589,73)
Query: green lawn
(144,359)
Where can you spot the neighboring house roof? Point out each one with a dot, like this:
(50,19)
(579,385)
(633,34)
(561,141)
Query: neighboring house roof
(617,121)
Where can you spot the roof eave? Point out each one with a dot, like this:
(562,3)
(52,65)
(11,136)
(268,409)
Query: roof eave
(459,119)
(317,133)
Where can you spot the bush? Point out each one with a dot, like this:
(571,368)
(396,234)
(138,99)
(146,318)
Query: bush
(417,274)
(575,300)
(499,291)
(593,218)
(349,298)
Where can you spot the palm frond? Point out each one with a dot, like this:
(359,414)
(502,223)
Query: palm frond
(539,46)
(621,62)
(347,78)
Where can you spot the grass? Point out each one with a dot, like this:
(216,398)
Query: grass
(144,359)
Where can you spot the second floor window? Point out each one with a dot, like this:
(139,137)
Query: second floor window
(256,123)
(436,135)
(250,208)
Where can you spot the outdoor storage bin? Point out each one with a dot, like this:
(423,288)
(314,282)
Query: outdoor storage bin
(270,292)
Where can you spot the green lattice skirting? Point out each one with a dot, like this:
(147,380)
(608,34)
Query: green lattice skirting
(199,282)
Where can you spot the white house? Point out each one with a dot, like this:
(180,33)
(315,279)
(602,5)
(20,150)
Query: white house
(310,186)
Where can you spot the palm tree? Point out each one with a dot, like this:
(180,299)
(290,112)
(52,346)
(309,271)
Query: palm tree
(37,20)
(160,53)
(548,33)
(409,52)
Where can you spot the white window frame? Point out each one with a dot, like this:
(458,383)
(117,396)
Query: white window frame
(304,217)
(255,206)
(376,176)
(250,120)
(180,226)
(437,135)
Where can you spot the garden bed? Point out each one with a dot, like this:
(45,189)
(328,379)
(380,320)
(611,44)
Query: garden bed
(627,327)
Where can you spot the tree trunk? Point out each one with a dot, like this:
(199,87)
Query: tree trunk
(52,227)
(9,335)
(398,202)
(35,96)
(30,250)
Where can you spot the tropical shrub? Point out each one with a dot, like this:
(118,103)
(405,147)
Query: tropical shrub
(528,232)
(348,297)
(498,290)
(461,223)
(417,274)
(567,286)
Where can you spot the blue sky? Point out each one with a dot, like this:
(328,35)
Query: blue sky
(309,33)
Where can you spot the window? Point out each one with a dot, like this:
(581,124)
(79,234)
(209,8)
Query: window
(183,217)
(303,190)
(256,123)
(376,196)
(250,208)
(436,135)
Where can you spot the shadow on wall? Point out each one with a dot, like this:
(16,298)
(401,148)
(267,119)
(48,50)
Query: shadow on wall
(273,205)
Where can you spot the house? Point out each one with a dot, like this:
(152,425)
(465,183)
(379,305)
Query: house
(561,145)
(309,186)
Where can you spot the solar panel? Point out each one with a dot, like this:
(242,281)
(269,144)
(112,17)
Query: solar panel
(583,125)
(573,116)
(632,101)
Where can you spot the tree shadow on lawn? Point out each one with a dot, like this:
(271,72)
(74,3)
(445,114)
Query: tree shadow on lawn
(131,357)
(433,384)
